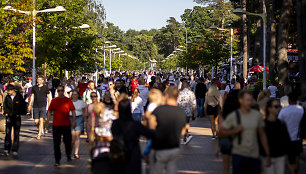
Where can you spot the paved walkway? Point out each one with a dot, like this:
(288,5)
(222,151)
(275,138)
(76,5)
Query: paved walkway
(36,156)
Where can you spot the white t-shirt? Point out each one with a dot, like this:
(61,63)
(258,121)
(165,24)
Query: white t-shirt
(229,87)
(27,86)
(151,107)
(103,88)
(273,90)
(137,105)
(292,116)
(79,106)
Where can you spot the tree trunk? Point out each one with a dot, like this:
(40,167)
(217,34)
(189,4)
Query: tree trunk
(271,49)
(283,34)
(245,41)
(301,29)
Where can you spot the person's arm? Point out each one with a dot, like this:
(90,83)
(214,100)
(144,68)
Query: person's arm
(73,124)
(5,108)
(48,116)
(205,106)
(264,143)
(84,96)
(49,101)
(31,102)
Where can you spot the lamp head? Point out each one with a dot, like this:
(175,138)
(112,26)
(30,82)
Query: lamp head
(189,42)
(59,9)
(239,12)
(7,7)
(198,36)
(213,27)
(99,35)
(85,26)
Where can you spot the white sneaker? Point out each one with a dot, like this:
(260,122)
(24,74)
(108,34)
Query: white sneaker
(15,153)
(183,142)
(188,139)
(46,131)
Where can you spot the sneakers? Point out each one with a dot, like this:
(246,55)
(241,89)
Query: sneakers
(213,138)
(69,159)
(187,140)
(15,153)
(57,164)
(46,131)
(5,153)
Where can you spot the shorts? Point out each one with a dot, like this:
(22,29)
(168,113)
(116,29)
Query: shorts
(188,119)
(294,150)
(213,110)
(39,113)
(79,122)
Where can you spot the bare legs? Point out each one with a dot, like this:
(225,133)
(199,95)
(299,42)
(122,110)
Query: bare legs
(40,126)
(76,141)
(214,124)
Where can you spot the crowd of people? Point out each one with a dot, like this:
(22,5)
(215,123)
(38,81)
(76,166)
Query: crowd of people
(114,112)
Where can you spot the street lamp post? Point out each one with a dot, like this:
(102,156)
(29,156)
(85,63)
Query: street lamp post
(213,27)
(239,12)
(34,13)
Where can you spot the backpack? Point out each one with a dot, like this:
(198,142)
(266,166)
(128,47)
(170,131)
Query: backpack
(118,151)
(302,128)
(226,144)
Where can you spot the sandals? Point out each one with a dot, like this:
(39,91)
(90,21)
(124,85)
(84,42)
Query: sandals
(76,156)
(38,137)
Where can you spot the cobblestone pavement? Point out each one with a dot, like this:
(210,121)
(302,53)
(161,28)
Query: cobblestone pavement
(36,156)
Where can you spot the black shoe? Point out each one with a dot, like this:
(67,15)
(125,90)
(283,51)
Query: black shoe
(87,140)
(57,164)
(69,159)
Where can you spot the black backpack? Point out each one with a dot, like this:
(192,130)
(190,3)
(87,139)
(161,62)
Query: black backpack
(302,128)
(118,150)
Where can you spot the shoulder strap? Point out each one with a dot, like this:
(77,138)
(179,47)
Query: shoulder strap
(238,118)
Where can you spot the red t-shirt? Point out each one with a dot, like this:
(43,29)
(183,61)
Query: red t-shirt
(61,108)
(82,87)
(134,84)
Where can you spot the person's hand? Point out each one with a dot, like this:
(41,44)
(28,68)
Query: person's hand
(268,162)
(6,115)
(239,129)
(73,125)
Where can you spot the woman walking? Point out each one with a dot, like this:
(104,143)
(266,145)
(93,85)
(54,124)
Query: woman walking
(76,132)
(130,130)
(278,139)
(212,106)
(137,106)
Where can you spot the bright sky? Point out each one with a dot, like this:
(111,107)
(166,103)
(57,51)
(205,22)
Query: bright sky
(144,14)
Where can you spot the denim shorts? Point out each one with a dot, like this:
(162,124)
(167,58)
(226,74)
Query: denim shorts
(79,120)
(39,113)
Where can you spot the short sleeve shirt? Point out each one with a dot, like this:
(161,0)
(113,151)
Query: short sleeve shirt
(61,108)
(79,106)
(186,100)
(249,136)
(40,96)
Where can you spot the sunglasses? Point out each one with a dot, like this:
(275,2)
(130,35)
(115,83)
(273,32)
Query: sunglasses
(93,96)
(276,106)
(110,84)
(60,90)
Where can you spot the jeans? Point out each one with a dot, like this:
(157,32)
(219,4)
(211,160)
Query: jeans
(164,161)
(245,165)
(15,122)
(200,106)
(137,116)
(58,131)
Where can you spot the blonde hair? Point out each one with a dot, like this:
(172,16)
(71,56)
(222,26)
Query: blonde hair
(263,94)
(213,91)
(155,96)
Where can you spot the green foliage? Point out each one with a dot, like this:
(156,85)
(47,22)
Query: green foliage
(14,32)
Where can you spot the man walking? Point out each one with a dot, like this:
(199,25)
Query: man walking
(292,116)
(90,88)
(171,121)
(61,106)
(38,101)
(246,125)
(14,107)
(187,101)
(200,91)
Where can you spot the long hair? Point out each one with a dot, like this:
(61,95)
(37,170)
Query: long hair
(135,94)
(213,91)
(263,94)
(79,96)
(124,110)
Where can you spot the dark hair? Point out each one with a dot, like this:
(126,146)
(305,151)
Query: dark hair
(124,110)
(107,99)
(90,81)
(10,87)
(269,105)
(242,93)
(293,97)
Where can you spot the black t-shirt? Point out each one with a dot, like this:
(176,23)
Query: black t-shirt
(200,90)
(170,122)
(40,96)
